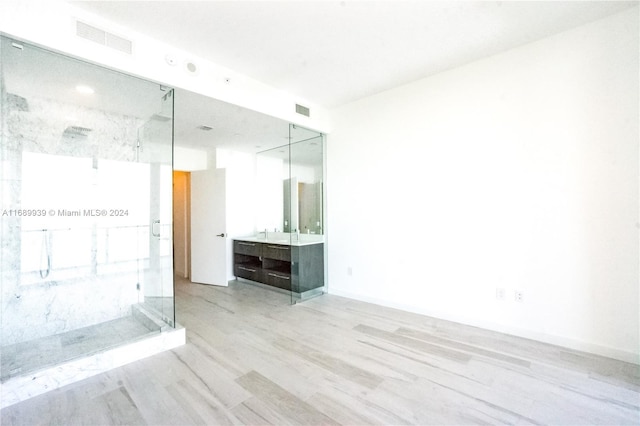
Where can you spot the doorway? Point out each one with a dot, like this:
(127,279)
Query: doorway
(182,223)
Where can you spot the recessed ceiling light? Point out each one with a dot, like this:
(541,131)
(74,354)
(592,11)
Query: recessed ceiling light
(85,90)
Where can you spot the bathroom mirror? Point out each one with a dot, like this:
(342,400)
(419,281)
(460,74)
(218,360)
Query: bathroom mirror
(291,184)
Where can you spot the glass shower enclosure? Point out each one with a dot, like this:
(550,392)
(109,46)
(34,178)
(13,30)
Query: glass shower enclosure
(86,262)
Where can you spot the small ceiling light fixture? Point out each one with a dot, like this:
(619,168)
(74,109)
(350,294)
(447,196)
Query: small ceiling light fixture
(85,90)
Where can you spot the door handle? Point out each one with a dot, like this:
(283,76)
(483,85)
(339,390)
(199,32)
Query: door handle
(221,235)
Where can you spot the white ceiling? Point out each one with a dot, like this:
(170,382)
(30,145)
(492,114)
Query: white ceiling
(328,52)
(333,52)
(233,127)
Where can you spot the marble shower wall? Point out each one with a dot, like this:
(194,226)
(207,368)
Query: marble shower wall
(60,273)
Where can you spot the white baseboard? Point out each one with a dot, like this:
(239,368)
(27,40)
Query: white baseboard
(566,342)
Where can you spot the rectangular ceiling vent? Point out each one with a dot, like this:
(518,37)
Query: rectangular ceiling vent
(76,131)
(302,110)
(96,35)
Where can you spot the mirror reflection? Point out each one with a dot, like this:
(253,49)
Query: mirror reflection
(290,178)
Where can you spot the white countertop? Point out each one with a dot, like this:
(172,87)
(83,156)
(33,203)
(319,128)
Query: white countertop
(285,240)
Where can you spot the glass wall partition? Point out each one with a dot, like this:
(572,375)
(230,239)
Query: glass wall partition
(304,195)
(291,222)
(85,190)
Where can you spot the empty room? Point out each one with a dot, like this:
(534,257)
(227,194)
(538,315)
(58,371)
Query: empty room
(320,212)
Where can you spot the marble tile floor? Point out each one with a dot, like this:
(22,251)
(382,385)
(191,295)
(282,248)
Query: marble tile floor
(251,358)
(23,358)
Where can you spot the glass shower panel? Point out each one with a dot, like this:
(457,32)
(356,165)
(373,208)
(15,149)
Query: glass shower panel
(155,152)
(306,194)
(85,188)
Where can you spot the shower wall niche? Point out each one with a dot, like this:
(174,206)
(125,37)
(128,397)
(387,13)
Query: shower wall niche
(86,262)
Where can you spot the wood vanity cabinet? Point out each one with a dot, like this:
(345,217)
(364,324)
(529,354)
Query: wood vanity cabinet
(296,268)
(276,265)
(307,270)
(247,261)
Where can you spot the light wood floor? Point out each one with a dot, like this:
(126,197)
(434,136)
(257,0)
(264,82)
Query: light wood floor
(250,358)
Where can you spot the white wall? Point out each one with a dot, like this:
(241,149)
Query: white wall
(241,203)
(305,174)
(270,174)
(188,159)
(517,171)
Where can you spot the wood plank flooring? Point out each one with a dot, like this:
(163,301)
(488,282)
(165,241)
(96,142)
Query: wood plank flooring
(250,358)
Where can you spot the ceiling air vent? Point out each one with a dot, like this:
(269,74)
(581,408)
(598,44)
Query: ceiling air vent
(96,35)
(302,110)
(76,131)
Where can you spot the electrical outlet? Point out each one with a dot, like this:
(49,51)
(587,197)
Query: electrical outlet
(500,293)
(518,296)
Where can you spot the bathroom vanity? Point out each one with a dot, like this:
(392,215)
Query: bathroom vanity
(297,266)
(289,254)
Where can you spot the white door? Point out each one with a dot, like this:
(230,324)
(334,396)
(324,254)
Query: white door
(208,227)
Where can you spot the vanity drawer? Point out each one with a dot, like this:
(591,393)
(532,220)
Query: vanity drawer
(249,272)
(248,248)
(276,251)
(278,279)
